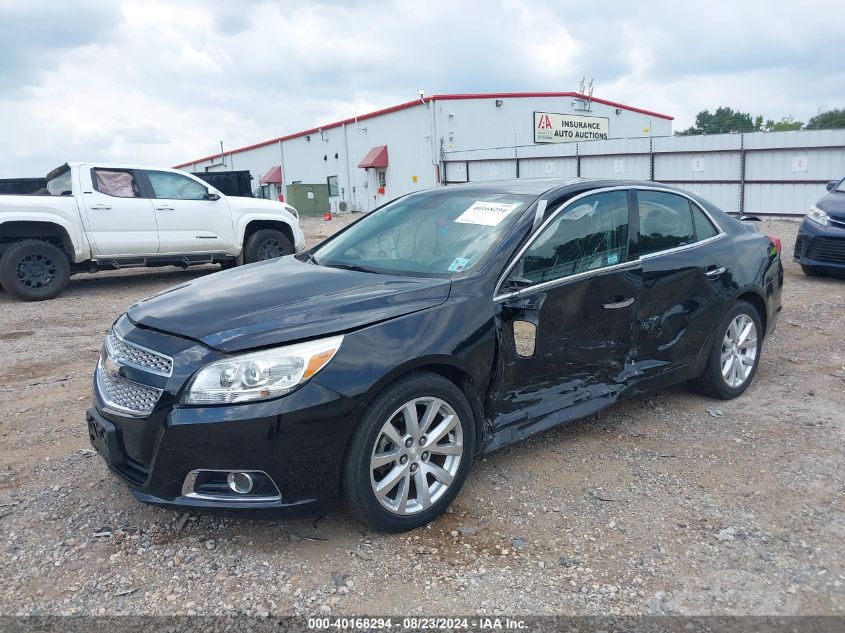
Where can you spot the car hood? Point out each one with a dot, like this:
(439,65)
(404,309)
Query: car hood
(833,204)
(280,301)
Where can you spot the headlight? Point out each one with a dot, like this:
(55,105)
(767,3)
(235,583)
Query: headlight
(261,375)
(817,215)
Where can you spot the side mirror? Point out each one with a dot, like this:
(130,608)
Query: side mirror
(831,185)
(212,196)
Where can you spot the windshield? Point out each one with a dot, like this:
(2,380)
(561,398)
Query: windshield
(840,188)
(441,233)
(58,184)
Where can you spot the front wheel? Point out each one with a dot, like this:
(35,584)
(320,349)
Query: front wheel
(811,271)
(410,455)
(34,270)
(734,354)
(266,244)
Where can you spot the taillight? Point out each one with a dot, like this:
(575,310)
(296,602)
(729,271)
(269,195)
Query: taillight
(775,242)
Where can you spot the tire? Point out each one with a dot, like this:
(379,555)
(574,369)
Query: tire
(266,244)
(811,271)
(728,385)
(34,270)
(361,474)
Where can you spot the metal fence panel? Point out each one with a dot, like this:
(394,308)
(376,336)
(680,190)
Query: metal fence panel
(548,167)
(482,170)
(456,171)
(623,167)
(761,173)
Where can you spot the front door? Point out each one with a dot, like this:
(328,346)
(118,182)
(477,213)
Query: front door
(120,217)
(567,332)
(188,221)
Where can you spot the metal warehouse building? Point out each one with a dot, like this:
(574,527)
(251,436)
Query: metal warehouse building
(359,163)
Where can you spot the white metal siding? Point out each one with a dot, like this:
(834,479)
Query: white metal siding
(547,167)
(481,170)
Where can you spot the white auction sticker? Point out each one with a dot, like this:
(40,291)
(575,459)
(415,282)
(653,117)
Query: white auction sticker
(486,213)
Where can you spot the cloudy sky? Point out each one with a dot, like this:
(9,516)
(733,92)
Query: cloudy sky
(162,82)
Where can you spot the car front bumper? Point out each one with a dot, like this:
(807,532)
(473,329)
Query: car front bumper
(298,441)
(820,246)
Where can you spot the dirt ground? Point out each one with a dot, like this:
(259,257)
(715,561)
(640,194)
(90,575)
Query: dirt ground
(669,503)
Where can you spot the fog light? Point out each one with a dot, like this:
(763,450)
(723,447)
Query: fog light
(240,482)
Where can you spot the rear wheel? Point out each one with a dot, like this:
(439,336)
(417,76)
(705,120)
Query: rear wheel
(734,354)
(410,455)
(266,244)
(34,270)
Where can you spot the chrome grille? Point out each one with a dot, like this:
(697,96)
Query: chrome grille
(125,395)
(127,353)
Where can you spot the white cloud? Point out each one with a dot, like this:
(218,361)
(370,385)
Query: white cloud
(161,82)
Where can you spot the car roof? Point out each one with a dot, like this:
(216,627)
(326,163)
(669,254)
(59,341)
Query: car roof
(540,186)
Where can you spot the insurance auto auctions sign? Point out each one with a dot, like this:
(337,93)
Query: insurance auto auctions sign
(565,128)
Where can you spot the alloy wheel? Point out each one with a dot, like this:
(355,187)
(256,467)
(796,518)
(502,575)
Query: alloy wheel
(416,455)
(739,351)
(36,271)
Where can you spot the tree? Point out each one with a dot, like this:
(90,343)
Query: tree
(786,124)
(827,120)
(724,120)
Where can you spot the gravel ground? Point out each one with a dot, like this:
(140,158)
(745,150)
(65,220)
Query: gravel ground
(670,503)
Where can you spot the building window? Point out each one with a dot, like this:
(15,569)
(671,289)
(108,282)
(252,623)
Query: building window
(382,181)
(334,189)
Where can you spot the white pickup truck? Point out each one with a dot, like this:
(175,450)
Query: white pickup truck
(94,217)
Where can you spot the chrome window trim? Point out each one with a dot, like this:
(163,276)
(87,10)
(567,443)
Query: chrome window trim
(633,263)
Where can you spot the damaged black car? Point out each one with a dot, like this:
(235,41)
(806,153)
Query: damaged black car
(374,367)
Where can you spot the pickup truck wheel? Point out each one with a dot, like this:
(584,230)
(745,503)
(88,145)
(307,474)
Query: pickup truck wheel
(266,244)
(34,270)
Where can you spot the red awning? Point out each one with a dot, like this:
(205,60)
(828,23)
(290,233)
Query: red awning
(376,157)
(272,177)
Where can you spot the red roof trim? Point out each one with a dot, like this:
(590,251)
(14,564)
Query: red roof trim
(415,102)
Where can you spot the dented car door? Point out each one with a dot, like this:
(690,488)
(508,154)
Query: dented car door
(685,272)
(566,312)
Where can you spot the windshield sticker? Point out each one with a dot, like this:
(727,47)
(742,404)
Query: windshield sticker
(486,213)
(613,258)
(459,264)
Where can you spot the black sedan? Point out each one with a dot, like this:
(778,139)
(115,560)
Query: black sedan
(445,324)
(820,246)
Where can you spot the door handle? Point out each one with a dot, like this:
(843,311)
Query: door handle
(164,207)
(619,304)
(99,207)
(714,272)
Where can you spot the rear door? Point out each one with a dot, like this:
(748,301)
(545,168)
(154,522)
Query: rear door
(686,272)
(568,332)
(189,221)
(120,217)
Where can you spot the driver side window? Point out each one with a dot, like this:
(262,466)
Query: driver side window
(589,234)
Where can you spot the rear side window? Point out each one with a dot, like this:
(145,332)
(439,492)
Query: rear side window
(117,183)
(176,187)
(665,221)
(703,227)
